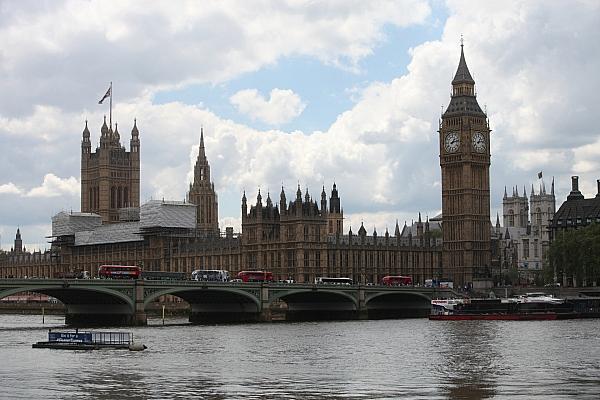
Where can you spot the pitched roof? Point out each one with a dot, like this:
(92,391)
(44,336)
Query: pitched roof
(87,228)
(573,210)
(65,223)
(464,105)
(110,233)
(167,214)
(462,72)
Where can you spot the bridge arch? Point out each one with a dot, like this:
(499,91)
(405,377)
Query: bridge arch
(86,303)
(373,296)
(301,291)
(191,293)
(209,304)
(317,303)
(72,294)
(403,304)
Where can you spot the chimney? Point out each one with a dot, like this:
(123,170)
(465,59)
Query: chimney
(575,193)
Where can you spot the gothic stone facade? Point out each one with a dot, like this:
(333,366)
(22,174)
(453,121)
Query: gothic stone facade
(110,176)
(301,241)
(18,262)
(524,237)
(464,145)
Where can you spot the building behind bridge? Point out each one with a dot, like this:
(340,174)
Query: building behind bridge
(19,262)
(299,240)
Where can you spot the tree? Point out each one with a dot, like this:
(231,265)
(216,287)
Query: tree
(575,254)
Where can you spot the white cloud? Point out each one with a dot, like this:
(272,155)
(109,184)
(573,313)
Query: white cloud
(235,223)
(53,186)
(160,46)
(533,64)
(282,106)
(9,188)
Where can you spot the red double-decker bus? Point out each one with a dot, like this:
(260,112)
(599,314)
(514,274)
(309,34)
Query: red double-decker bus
(255,276)
(397,280)
(119,272)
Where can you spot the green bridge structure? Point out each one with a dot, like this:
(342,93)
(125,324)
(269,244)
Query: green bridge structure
(124,302)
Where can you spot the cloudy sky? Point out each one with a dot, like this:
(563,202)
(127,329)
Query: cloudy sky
(292,92)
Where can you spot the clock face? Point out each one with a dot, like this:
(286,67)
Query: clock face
(478,142)
(452,142)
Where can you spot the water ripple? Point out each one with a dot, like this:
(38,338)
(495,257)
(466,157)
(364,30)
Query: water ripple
(408,359)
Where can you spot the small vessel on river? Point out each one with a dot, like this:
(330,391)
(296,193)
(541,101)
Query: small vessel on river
(528,307)
(88,340)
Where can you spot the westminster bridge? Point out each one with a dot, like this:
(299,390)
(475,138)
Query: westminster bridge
(124,302)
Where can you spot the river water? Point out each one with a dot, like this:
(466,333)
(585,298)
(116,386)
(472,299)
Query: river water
(387,359)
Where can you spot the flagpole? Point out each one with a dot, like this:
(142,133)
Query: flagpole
(110,112)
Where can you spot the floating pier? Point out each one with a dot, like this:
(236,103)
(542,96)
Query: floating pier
(88,340)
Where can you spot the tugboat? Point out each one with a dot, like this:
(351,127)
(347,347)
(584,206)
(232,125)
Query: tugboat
(87,340)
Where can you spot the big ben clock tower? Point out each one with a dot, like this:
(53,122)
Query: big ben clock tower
(465,162)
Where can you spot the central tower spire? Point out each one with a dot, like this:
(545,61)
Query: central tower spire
(202,151)
(202,194)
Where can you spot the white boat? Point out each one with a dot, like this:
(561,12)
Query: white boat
(444,305)
(539,297)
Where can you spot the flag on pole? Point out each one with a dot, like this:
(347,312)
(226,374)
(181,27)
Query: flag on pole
(107,94)
(540,175)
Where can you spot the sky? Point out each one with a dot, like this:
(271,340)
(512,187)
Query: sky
(293,92)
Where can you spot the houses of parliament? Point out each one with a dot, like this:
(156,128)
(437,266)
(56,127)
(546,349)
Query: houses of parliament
(298,236)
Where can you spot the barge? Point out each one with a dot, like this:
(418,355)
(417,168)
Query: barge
(528,307)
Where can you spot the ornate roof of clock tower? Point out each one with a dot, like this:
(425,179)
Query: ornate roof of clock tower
(463,101)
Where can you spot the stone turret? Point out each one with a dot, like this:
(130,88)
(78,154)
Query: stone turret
(18,248)
(110,176)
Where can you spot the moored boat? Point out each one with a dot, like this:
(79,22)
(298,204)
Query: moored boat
(528,307)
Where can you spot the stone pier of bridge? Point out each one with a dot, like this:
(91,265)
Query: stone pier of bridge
(139,317)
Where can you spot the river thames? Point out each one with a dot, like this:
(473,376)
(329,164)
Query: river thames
(386,359)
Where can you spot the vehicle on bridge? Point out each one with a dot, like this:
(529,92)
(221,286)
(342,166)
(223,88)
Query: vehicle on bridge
(163,275)
(335,281)
(439,283)
(210,275)
(119,272)
(73,275)
(255,276)
(398,280)
(446,284)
